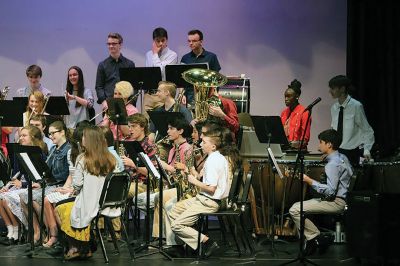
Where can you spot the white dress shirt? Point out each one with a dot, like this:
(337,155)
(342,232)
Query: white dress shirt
(167,57)
(356,130)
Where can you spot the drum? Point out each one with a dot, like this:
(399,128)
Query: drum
(273,194)
(238,94)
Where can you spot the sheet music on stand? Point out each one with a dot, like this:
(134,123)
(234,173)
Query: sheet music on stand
(28,163)
(149,165)
(277,168)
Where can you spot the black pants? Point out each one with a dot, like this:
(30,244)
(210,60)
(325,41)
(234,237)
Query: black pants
(353,155)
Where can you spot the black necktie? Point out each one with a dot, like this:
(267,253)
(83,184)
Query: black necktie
(340,123)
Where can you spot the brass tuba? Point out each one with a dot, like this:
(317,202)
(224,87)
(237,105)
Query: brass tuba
(202,80)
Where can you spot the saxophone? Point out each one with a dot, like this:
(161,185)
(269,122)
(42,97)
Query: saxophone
(177,104)
(188,189)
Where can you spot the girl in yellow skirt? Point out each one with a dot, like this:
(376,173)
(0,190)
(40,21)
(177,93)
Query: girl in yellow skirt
(92,166)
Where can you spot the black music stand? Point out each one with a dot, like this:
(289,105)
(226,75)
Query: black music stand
(57,105)
(173,73)
(153,172)
(35,170)
(269,129)
(8,117)
(143,79)
(160,119)
(117,113)
(300,160)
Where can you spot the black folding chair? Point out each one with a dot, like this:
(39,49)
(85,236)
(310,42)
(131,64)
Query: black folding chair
(236,206)
(113,195)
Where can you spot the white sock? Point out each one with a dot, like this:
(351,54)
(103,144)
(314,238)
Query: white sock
(10,230)
(15,233)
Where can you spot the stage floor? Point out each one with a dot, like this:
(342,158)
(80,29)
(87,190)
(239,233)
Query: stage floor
(284,252)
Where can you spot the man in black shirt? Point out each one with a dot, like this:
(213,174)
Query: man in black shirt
(108,70)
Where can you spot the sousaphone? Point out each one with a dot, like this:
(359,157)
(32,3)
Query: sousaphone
(202,80)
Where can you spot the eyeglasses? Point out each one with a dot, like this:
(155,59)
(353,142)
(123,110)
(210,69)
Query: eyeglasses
(54,132)
(113,43)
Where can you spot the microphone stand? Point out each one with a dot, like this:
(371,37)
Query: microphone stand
(300,160)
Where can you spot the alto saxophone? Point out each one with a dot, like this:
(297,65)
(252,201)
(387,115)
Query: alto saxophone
(188,189)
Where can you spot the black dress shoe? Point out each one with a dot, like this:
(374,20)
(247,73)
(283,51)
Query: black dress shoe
(324,241)
(209,248)
(311,247)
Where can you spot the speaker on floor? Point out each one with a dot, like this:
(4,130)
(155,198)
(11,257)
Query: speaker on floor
(373,225)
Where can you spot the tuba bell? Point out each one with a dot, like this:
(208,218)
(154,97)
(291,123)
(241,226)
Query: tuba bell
(202,80)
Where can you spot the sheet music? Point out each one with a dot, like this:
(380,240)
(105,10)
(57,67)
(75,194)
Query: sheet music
(272,157)
(150,165)
(30,165)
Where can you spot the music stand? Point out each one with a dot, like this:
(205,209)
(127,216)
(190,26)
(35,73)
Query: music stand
(269,129)
(8,117)
(142,79)
(173,73)
(57,105)
(35,170)
(161,119)
(117,113)
(153,172)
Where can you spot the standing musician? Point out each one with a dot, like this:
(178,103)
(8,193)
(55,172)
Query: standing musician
(293,116)
(123,90)
(80,99)
(333,193)
(198,55)
(34,74)
(108,69)
(160,55)
(166,92)
(349,119)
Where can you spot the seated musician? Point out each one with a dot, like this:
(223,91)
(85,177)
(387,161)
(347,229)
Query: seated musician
(39,121)
(10,207)
(333,193)
(66,191)
(166,92)
(58,164)
(138,129)
(213,190)
(224,112)
(293,116)
(75,217)
(180,159)
(123,90)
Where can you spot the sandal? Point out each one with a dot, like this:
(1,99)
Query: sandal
(71,255)
(50,243)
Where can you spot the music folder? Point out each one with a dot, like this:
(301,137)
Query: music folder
(133,148)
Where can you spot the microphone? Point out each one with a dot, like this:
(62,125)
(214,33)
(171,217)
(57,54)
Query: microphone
(313,104)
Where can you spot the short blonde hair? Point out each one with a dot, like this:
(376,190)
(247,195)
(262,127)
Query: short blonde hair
(125,88)
(171,87)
